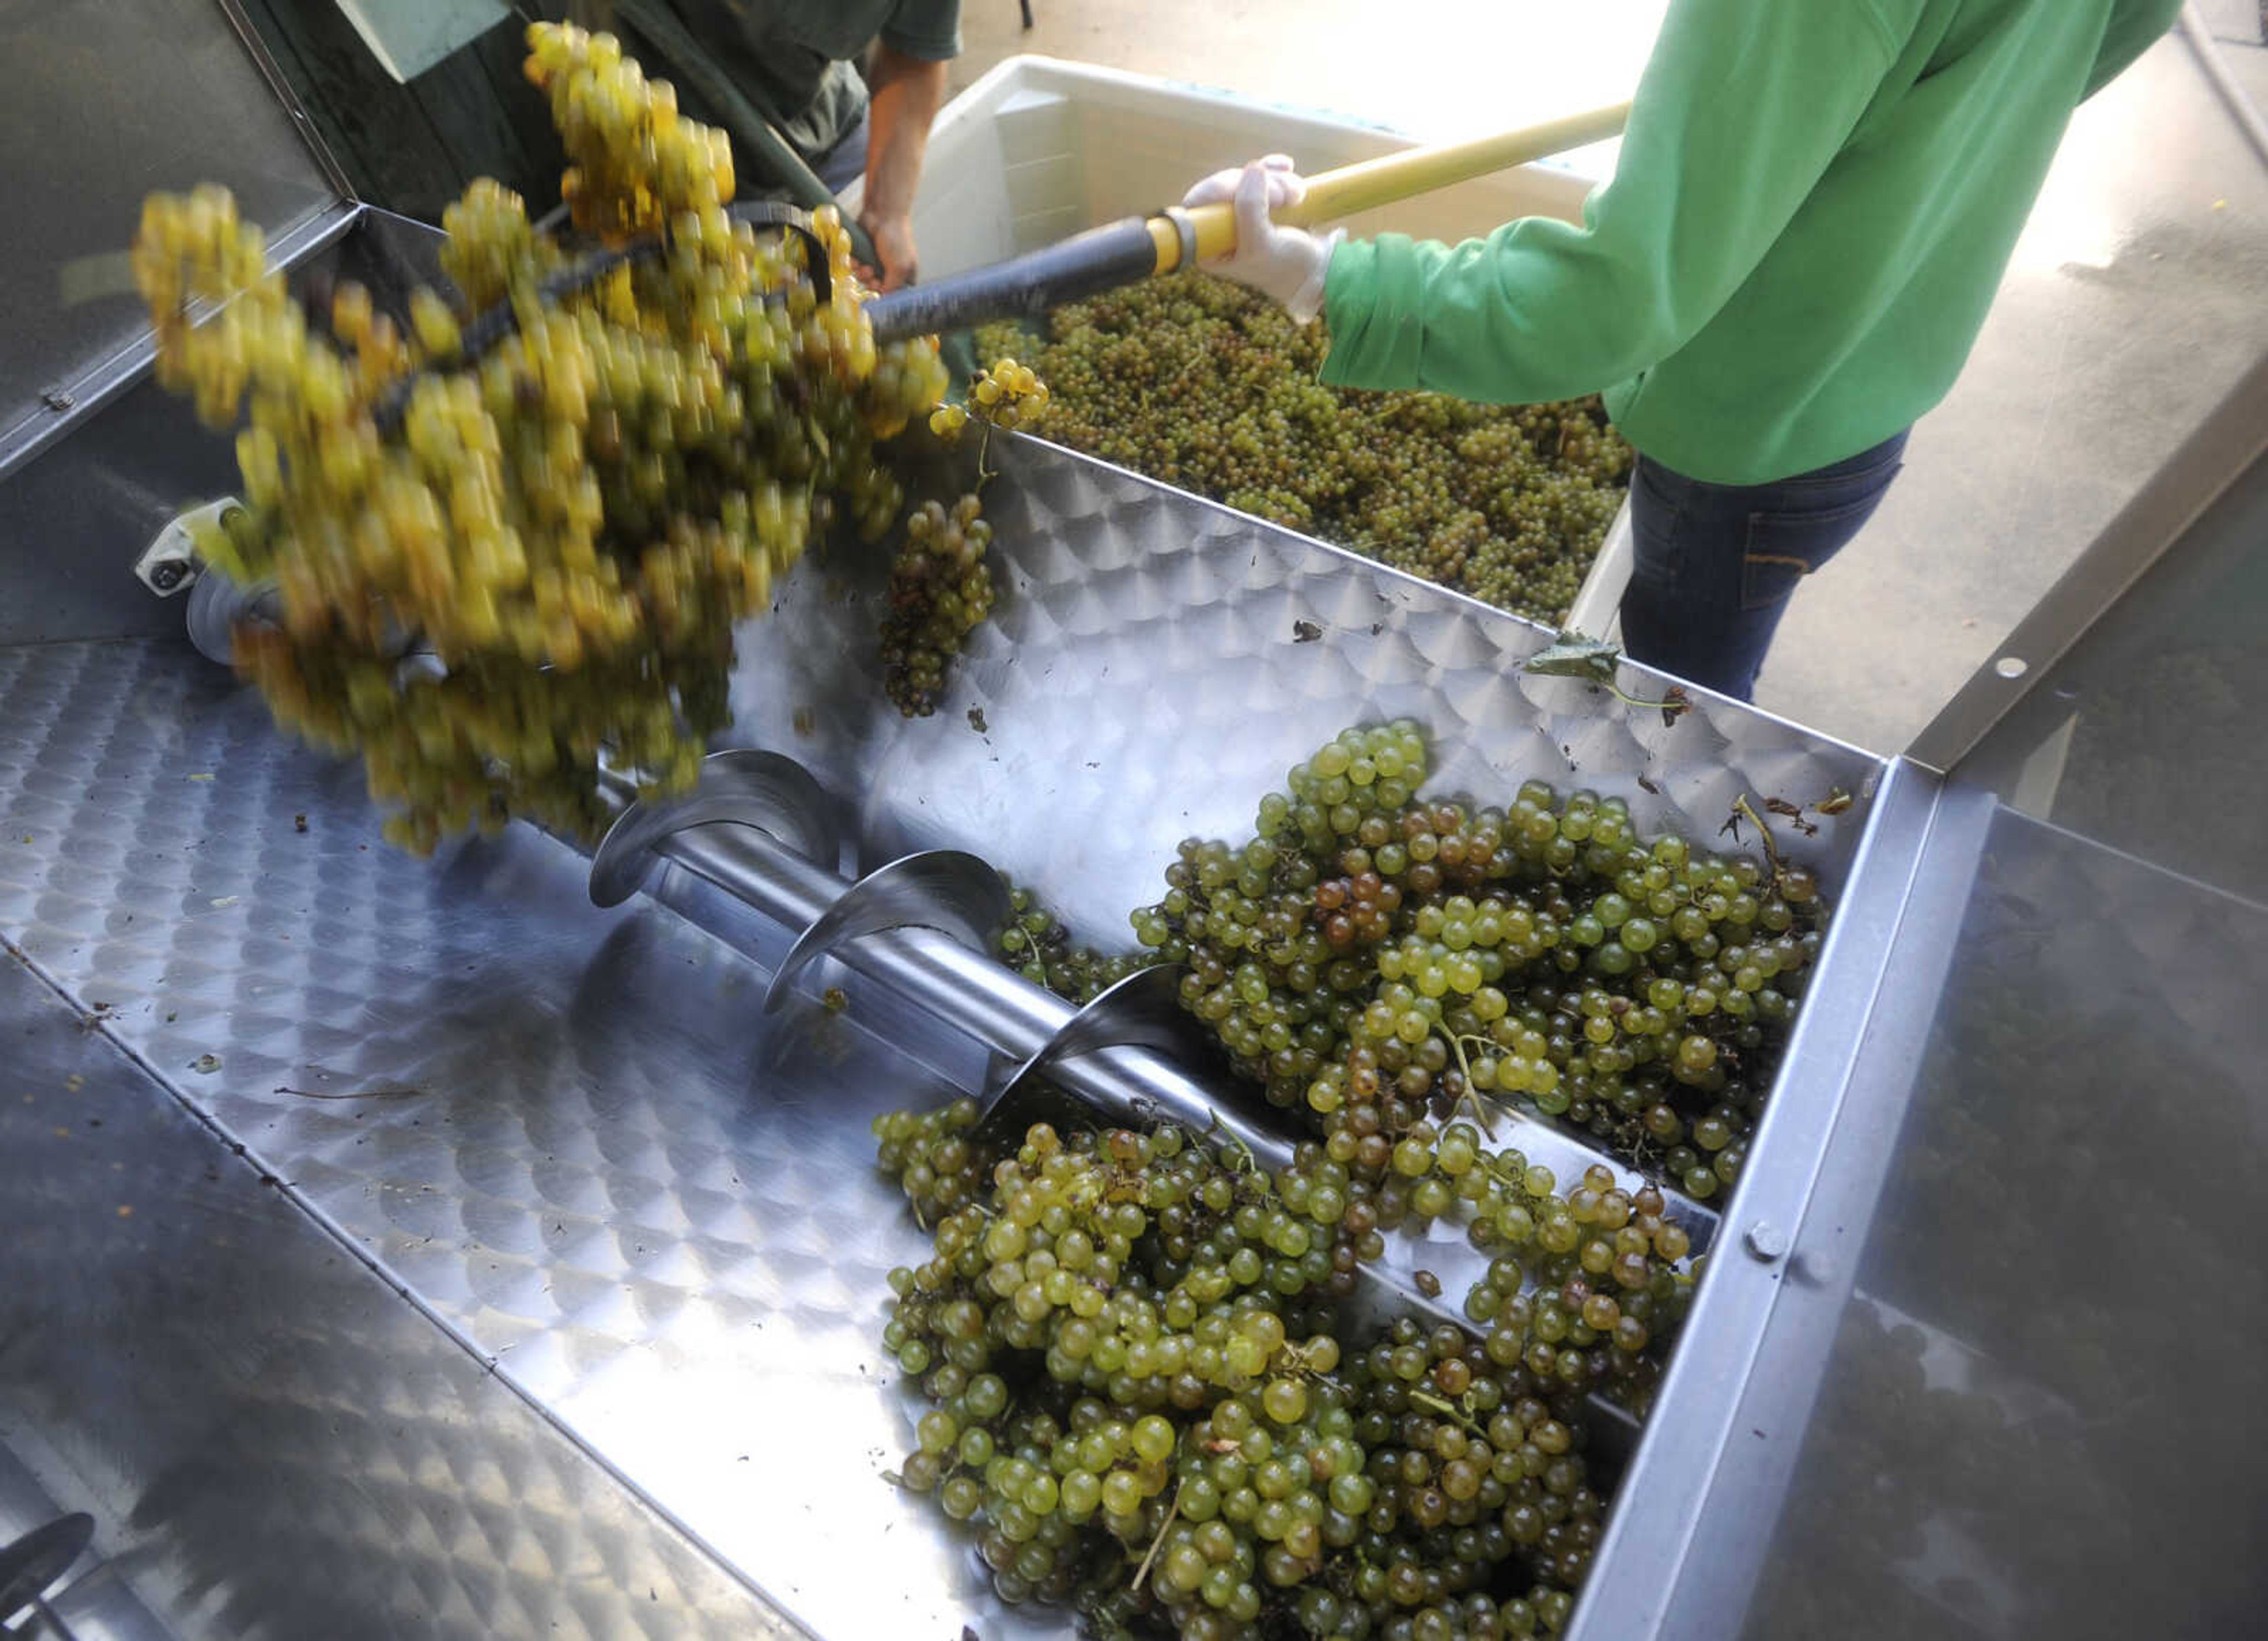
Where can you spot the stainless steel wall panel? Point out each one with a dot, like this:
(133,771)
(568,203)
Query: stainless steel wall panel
(2041,1415)
(558,1128)
(274,1443)
(106,100)
(1156,662)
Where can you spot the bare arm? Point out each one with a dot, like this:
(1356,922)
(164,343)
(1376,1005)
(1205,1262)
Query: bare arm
(906,92)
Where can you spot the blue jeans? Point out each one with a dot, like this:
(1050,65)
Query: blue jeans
(1716,563)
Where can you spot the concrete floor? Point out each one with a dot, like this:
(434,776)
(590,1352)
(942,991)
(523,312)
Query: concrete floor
(2138,296)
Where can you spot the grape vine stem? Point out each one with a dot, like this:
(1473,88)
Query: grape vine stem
(1446,1408)
(1471,1092)
(1157,1543)
(1747,812)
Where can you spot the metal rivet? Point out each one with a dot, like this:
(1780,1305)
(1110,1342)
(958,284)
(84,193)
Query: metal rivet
(2011,666)
(1765,1242)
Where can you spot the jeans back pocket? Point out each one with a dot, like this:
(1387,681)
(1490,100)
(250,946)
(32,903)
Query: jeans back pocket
(1786,544)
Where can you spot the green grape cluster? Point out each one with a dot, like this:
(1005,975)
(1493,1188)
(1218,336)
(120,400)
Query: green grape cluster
(502,569)
(931,1155)
(1370,954)
(1006,396)
(1139,1397)
(940,591)
(1035,944)
(1198,382)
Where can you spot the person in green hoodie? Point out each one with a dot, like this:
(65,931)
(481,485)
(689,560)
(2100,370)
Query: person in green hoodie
(1813,207)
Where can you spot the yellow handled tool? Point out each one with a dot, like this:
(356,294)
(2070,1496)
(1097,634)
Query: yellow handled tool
(1140,247)
(1370,183)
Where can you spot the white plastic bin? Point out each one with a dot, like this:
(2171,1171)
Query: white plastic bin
(1038,148)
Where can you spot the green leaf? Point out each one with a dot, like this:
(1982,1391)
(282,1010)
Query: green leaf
(1573,655)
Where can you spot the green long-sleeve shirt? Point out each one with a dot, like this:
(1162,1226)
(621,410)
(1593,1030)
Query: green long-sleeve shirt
(1815,204)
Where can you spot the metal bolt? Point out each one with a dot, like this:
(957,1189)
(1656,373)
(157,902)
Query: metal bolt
(57,400)
(165,576)
(1766,1242)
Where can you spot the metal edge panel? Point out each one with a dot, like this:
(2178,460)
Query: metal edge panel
(203,1474)
(1411,582)
(301,120)
(80,398)
(1660,1539)
(774,1621)
(1597,607)
(2231,438)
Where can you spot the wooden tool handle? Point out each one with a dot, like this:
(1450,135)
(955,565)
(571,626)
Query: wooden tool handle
(1370,183)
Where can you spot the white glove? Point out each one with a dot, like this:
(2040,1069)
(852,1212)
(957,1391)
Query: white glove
(1285,264)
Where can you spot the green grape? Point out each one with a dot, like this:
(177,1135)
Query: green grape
(1169,1400)
(1033,941)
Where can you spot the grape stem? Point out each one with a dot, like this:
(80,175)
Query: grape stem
(1447,1409)
(1746,810)
(1672,704)
(984,474)
(1239,1153)
(1464,1067)
(1157,1543)
(1294,1357)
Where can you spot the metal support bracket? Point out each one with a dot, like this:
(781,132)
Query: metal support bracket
(745,786)
(945,889)
(170,565)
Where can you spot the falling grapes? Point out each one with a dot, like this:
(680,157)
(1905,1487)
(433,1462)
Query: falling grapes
(940,587)
(510,539)
(1196,382)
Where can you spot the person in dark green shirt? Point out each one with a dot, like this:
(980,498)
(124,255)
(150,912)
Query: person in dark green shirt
(792,60)
(1813,207)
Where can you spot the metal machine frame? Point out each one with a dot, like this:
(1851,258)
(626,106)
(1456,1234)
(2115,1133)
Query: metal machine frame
(288,1017)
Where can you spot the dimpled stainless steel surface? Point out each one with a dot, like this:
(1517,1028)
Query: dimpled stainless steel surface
(558,1128)
(1146,675)
(273,1445)
(570,1135)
